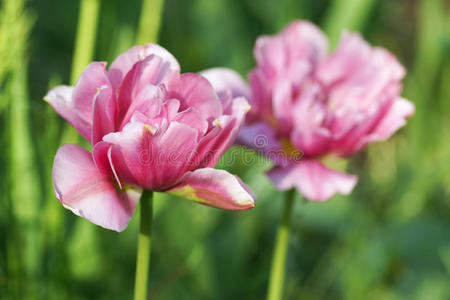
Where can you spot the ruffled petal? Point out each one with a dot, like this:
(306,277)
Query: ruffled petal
(152,70)
(394,119)
(216,188)
(125,61)
(312,142)
(313,180)
(89,193)
(193,118)
(282,105)
(148,102)
(354,56)
(227,81)
(154,160)
(194,90)
(225,129)
(299,41)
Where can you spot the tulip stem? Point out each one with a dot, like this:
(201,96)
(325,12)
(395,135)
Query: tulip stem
(144,246)
(280,251)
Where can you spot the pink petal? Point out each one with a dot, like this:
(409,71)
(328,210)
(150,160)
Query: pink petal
(148,103)
(157,50)
(354,55)
(170,108)
(60,98)
(125,61)
(282,105)
(101,154)
(395,118)
(194,90)
(312,179)
(351,53)
(261,101)
(312,142)
(92,78)
(104,119)
(89,193)
(309,112)
(227,81)
(310,116)
(238,108)
(299,41)
(359,126)
(216,188)
(123,64)
(270,54)
(152,70)
(217,141)
(305,41)
(193,118)
(150,159)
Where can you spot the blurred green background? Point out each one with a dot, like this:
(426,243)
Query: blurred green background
(389,240)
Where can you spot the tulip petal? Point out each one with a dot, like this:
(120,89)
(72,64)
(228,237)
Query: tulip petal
(194,90)
(157,50)
(125,61)
(394,119)
(148,103)
(92,78)
(123,64)
(152,70)
(216,188)
(60,98)
(225,81)
(353,56)
(151,159)
(101,154)
(313,180)
(216,142)
(193,118)
(89,193)
(261,97)
(282,105)
(312,142)
(299,41)
(104,119)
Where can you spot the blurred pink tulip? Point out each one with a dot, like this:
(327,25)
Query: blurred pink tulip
(150,128)
(320,105)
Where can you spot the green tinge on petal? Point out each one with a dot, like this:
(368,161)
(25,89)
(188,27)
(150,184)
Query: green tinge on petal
(188,192)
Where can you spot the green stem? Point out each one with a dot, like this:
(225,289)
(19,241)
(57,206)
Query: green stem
(147,32)
(85,39)
(144,246)
(280,251)
(150,21)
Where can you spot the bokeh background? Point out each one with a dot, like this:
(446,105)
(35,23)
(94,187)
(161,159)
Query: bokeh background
(390,239)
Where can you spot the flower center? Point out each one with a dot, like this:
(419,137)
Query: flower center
(290,150)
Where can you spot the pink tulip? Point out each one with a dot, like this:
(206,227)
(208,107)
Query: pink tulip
(150,128)
(320,105)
